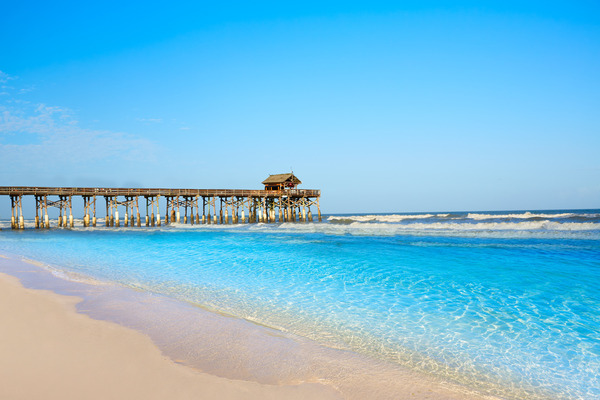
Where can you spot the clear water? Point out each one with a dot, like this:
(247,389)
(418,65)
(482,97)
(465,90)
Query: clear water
(504,302)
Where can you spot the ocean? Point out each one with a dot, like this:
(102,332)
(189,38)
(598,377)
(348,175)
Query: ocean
(504,303)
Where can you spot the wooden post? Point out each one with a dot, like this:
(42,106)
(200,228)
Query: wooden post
(117,220)
(64,217)
(46,220)
(107,220)
(153,221)
(60,212)
(261,211)
(303,212)
(256,211)
(192,211)
(167,210)
(71,221)
(21,219)
(132,205)
(15,213)
(173,212)
(94,218)
(85,210)
(209,216)
(235,210)
(12,212)
(221,210)
(137,211)
(157,211)
(185,208)
(37,209)
(126,217)
(319,210)
(147,212)
(112,211)
(214,204)
(88,214)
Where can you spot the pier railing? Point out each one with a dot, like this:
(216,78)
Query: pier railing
(89,191)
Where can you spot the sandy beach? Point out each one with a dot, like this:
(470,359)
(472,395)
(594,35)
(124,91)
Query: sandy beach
(49,351)
(68,337)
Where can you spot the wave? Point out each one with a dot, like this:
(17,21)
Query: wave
(526,225)
(383,218)
(505,230)
(582,225)
(470,217)
(525,215)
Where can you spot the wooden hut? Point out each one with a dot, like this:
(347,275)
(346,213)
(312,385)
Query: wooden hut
(281,182)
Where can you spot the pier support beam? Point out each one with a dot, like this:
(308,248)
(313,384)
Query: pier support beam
(46,219)
(137,211)
(38,206)
(16,217)
(70,204)
(169,200)
(319,209)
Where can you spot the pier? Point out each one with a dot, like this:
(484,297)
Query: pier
(280,201)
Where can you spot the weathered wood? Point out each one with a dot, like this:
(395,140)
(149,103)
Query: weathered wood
(263,206)
(111,192)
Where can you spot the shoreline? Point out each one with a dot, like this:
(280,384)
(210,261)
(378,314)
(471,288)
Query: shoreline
(50,351)
(233,350)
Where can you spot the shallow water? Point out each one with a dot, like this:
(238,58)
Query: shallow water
(505,303)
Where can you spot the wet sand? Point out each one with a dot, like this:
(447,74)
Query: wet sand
(49,351)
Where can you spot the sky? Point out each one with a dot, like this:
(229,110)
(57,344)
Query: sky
(383,106)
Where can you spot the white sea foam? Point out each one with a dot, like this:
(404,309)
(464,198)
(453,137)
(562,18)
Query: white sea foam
(384,218)
(541,229)
(525,215)
(491,226)
(567,224)
(394,218)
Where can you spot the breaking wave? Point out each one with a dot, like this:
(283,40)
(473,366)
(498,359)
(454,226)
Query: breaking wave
(503,224)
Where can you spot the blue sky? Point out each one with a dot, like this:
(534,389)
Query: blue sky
(384,106)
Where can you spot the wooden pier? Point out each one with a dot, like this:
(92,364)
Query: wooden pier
(280,203)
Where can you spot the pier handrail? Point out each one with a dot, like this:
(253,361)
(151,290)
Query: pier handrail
(91,191)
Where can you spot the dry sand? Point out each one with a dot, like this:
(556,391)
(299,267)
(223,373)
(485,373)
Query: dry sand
(49,351)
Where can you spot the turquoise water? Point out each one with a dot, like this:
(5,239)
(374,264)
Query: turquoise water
(505,302)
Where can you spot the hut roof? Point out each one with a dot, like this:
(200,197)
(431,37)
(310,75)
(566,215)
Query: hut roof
(281,178)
